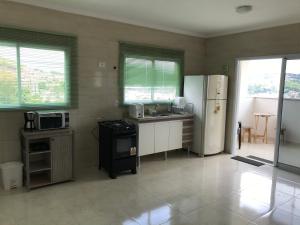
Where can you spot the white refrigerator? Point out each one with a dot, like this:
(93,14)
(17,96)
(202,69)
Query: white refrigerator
(208,94)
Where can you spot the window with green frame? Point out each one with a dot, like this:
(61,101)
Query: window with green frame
(150,75)
(37,70)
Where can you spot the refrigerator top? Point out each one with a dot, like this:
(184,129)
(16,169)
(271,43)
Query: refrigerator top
(217,87)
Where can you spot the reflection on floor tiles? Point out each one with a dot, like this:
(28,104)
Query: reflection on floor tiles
(278,217)
(259,149)
(180,191)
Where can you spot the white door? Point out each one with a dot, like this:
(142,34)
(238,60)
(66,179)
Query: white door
(146,139)
(175,137)
(288,137)
(161,136)
(214,126)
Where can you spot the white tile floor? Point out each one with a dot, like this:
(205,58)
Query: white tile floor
(211,191)
(289,153)
(261,150)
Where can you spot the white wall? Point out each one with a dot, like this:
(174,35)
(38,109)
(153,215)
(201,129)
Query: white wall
(291,120)
(245,114)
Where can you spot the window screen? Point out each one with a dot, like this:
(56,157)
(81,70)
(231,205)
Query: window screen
(150,75)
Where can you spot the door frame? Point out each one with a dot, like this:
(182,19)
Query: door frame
(236,98)
(280,103)
(279,111)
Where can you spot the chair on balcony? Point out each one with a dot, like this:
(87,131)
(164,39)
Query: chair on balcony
(247,131)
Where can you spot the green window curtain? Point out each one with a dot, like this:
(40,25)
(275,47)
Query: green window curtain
(167,80)
(44,77)
(150,75)
(37,70)
(8,75)
(137,80)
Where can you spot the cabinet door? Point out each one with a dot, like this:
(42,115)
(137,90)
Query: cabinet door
(146,139)
(62,158)
(175,137)
(161,136)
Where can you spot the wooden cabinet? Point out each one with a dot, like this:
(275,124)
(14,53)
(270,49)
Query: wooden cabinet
(161,139)
(157,137)
(47,157)
(175,135)
(146,138)
(62,158)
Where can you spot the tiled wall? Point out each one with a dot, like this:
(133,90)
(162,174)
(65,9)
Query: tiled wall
(98,88)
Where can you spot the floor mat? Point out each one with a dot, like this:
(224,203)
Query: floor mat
(260,159)
(246,160)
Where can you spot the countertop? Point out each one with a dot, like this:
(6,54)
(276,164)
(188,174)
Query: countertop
(172,116)
(57,132)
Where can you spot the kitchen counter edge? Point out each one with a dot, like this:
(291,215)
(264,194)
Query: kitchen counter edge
(150,119)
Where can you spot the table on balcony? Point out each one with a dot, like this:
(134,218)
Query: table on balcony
(266,117)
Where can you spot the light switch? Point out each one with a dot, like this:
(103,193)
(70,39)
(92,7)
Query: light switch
(101,64)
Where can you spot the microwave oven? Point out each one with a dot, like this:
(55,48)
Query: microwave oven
(48,120)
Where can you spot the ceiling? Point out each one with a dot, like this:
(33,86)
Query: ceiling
(203,18)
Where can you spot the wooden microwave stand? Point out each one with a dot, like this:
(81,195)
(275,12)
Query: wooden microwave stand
(47,156)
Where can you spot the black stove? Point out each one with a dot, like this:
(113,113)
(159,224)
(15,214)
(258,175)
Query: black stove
(119,126)
(117,147)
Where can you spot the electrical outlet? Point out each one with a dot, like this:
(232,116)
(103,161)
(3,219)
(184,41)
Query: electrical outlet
(99,118)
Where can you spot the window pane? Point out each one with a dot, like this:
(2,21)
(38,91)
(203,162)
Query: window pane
(292,79)
(261,77)
(8,76)
(166,81)
(137,80)
(43,76)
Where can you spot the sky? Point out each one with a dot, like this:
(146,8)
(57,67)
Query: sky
(293,66)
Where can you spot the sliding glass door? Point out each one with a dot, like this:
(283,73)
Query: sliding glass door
(288,136)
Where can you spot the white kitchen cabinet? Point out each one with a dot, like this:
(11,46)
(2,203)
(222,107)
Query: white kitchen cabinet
(146,138)
(161,136)
(175,134)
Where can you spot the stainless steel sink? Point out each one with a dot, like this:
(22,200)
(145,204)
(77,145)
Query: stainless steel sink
(164,114)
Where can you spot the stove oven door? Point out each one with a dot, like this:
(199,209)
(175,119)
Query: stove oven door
(124,146)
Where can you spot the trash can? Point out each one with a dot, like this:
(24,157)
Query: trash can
(12,175)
